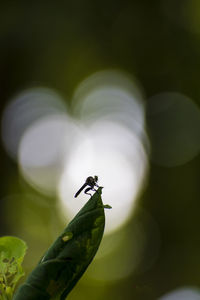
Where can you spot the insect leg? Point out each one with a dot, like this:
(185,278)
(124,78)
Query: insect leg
(87,190)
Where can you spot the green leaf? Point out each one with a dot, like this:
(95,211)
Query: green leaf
(67,259)
(12,251)
(107,206)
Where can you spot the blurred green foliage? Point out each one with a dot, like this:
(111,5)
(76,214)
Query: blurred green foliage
(12,251)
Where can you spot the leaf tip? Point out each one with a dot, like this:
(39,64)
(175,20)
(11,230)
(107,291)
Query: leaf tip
(107,206)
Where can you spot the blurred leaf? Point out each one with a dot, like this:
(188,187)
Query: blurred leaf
(67,259)
(12,251)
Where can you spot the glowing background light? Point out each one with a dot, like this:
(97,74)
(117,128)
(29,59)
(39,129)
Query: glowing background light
(23,110)
(104,136)
(110,95)
(109,106)
(42,151)
(183,294)
(111,152)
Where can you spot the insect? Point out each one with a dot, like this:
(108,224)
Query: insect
(92,182)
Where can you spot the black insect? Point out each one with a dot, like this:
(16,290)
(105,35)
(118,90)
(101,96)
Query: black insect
(92,182)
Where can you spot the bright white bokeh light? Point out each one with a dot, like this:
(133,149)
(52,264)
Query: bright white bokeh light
(110,95)
(23,110)
(121,181)
(43,149)
(110,107)
(183,294)
(105,137)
